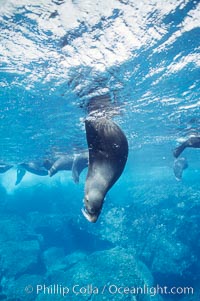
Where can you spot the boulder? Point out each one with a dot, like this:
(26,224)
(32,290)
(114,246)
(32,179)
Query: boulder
(17,258)
(104,275)
(23,288)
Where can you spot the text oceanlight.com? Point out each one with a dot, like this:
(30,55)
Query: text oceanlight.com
(113,289)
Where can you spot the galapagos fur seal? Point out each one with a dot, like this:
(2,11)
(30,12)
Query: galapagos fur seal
(179,165)
(36,168)
(33,167)
(80,162)
(76,163)
(108,152)
(64,162)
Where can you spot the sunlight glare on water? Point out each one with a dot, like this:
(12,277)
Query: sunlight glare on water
(139,61)
(55,55)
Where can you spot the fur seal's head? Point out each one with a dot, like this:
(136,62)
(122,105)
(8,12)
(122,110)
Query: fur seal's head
(93,202)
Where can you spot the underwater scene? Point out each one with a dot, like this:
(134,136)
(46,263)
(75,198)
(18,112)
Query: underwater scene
(99,150)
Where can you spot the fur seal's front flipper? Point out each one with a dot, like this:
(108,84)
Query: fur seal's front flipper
(80,162)
(62,163)
(20,174)
(191,142)
(108,152)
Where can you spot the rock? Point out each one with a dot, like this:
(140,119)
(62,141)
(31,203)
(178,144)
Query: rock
(155,224)
(113,226)
(19,257)
(195,296)
(111,269)
(74,258)
(62,231)
(23,288)
(53,259)
(14,228)
(52,227)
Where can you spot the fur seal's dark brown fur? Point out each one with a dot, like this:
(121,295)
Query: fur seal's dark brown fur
(108,151)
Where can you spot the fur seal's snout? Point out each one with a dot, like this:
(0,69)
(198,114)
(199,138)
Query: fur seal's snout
(90,217)
(93,202)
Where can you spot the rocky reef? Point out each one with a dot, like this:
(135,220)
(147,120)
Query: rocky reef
(151,241)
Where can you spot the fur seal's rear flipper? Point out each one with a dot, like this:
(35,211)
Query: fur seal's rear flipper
(47,164)
(34,167)
(80,162)
(20,174)
(108,152)
(179,165)
(191,142)
(178,150)
(5,167)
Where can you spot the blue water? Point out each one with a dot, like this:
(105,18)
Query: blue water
(55,56)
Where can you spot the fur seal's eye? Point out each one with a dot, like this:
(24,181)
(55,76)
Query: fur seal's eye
(92,211)
(115,145)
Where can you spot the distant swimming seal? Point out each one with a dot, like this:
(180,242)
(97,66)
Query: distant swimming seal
(179,165)
(36,168)
(76,163)
(64,162)
(191,142)
(108,152)
(79,163)
(5,167)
